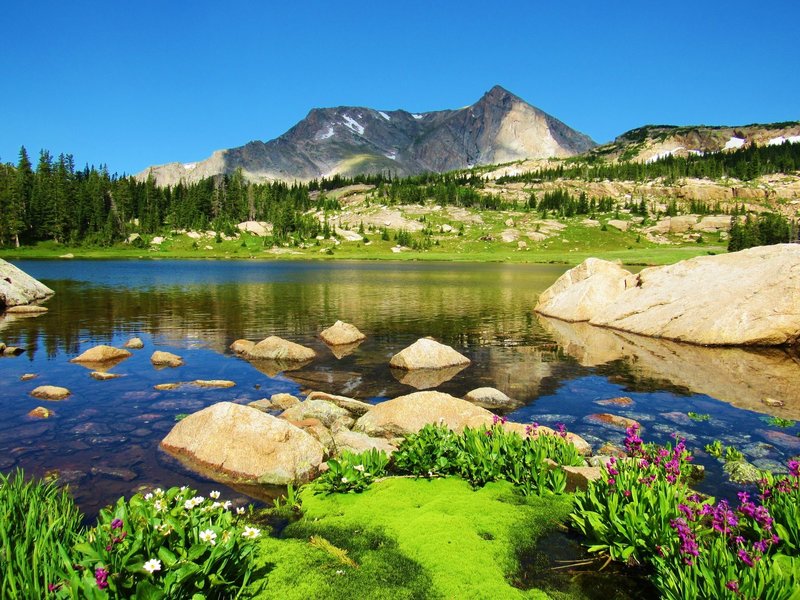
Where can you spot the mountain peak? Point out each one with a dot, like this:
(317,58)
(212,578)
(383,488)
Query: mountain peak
(499,94)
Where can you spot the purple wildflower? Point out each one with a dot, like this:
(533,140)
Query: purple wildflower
(732,585)
(794,468)
(116,524)
(689,547)
(746,558)
(101,578)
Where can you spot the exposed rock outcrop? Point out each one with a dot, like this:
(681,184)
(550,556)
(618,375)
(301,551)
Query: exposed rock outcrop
(326,412)
(744,298)
(273,348)
(51,392)
(160,358)
(232,442)
(18,288)
(489,397)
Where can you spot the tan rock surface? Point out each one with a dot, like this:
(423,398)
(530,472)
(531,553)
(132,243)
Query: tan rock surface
(100,376)
(353,441)
(101,354)
(426,353)
(40,412)
(276,348)
(408,414)
(489,397)
(242,346)
(284,401)
(326,412)
(27,309)
(424,379)
(583,290)
(51,392)
(236,442)
(166,359)
(355,407)
(18,288)
(134,343)
(341,333)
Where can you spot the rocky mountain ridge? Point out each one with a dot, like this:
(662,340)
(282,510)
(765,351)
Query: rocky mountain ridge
(499,128)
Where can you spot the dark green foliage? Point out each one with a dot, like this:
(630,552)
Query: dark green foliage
(761,230)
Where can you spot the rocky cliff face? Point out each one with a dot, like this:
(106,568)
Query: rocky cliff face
(500,127)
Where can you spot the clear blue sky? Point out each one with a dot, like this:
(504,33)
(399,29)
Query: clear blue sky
(132,84)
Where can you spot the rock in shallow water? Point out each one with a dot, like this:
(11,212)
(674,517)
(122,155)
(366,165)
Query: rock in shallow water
(426,353)
(51,392)
(341,333)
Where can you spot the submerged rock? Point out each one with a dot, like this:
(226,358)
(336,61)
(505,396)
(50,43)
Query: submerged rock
(28,309)
(28,376)
(12,351)
(233,442)
(18,288)
(742,472)
(609,420)
(51,392)
(279,349)
(423,379)
(40,412)
(100,376)
(742,298)
(341,333)
(213,383)
(426,353)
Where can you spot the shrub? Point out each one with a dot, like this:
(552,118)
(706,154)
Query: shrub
(37,519)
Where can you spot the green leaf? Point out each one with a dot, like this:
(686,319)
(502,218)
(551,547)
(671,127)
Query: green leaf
(167,556)
(147,591)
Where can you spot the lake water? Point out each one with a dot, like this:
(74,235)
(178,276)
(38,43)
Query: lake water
(103,440)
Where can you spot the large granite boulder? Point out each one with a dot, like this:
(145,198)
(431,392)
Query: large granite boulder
(489,397)
(408,414)
(341,333)
(17,287)
(355,442)
(426,353)
(230,442)
(355,407)
(579,294)
(743,298)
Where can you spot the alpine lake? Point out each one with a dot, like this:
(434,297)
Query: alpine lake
(104,439)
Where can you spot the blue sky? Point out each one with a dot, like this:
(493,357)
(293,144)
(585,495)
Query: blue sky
(131,84)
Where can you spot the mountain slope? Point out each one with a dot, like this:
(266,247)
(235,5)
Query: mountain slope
(500,127)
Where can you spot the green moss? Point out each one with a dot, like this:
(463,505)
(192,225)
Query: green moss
(411,539)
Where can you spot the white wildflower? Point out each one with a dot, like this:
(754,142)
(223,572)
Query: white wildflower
(214,494)
(339,572)
(240,510)
(215,505)
(251,533)
(226,505)
(148,496)
(208,536)
(158,492)
(159,505)
(152,565)
(359,468)
(344,479)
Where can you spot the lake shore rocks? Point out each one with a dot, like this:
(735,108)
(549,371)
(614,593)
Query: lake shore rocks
(326,412)
(101,354)
(341,333)
(424,379)
(100,376)
(165,359)
(27,309)
(491,398)
(51,392)
(17,288)
(40,412)
(241,443)
(743,298)
(134,344)
(283,401)
(427,353)
(273,348)
(354,407)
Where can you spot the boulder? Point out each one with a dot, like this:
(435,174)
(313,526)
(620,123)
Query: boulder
(242,346)
(355,442)
(742,298)
(408,414)
(489,397)
(619,224)
(259,228)
(283,401)
(51,392)
(579,478)
(326,412)
(101,354)
(713,224)
(166,386)
(28,376)
(426,353)
(263,405)
(577,294)
(18,288)
(355,407)
(341,333)
(26,309)
(12,351)
(233,442)
(165,359)
(276,348)
(318,431)
(624,401)
(134,343)
(682,224)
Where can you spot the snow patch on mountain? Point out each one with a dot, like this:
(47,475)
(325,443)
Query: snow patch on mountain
(384,115)
(777,141)
(733,143)
(353,125)
(324,135)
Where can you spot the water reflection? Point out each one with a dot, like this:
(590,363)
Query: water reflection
(741,376)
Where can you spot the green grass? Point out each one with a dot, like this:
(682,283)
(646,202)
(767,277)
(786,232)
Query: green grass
(411,539)
(570,246)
